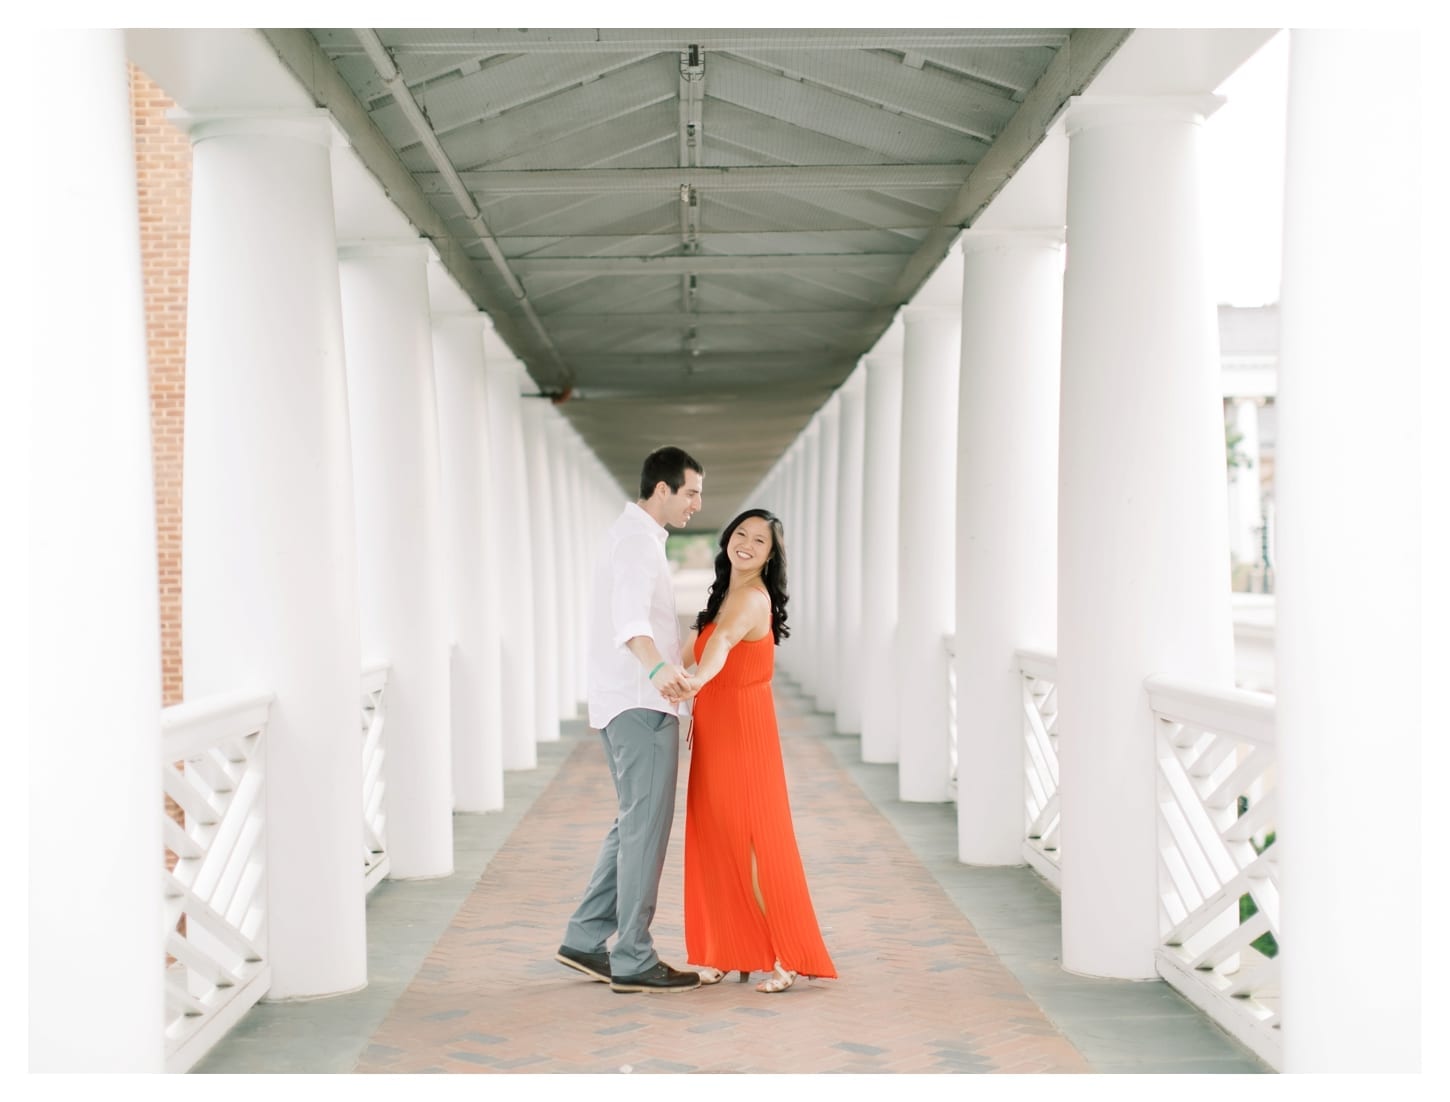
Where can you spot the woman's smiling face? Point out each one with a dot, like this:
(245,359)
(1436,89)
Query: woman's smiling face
(750,545)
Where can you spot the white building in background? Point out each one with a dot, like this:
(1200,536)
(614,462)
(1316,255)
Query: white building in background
(1249,355)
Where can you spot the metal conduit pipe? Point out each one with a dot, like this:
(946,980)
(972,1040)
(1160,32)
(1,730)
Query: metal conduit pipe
(393,80)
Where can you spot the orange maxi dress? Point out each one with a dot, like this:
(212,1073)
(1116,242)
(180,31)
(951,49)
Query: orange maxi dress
(737,802)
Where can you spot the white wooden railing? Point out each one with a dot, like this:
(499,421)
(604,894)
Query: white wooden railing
(215,897)
(1218,864)
(1041,843)
(374,720)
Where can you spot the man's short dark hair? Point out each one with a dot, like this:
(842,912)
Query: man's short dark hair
(667,465)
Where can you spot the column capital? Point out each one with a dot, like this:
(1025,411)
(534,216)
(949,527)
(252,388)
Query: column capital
(931,312)
(1090,112)
(1025,237)
(316,126)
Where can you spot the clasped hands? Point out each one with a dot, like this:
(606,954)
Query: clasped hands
(676,685)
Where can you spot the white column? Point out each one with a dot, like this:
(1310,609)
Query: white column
(1006,557)
(92,736)
(401,561)
(926,584)
(511,530)
(543,551)
(808,574)
(789,659)
(824,531)
(270,583)
(848,549)
(881,517)
(473,563)
(566,581)
(785,509)
(584,547)
(1349,602)
(1143,584)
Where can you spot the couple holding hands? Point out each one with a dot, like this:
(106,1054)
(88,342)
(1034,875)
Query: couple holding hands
(747,908)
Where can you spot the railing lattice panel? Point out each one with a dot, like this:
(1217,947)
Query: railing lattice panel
(214,890)
(1043,822)
(1218,863)
(374,723)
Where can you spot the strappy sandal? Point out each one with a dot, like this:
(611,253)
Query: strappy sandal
(778,981)
(710,975)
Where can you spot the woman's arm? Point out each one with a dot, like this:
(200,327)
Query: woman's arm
(688,651)
(744,611)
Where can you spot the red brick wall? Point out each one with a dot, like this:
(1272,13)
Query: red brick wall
(163,178)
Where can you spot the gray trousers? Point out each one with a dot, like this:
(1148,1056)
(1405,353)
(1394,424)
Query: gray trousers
(642,747)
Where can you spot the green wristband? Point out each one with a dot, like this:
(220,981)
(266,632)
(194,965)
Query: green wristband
(655,671)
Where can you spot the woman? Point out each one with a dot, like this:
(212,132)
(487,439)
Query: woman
(747,907)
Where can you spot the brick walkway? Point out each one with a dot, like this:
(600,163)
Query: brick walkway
(919,990)
(945,968)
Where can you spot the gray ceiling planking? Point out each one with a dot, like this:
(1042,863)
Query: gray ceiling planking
(746,212)
(824,210)
(646,216)
(575,112)
(622,334)
(516,106)
(717,320)
(626,295)
(1016,70)
(650,150)
(739,292)
(892,136)
(768,140)
(836,241)
(844,284)
(616,339)
(885,266)
(663,237)
(579,214)
(929,95)
(667,180)
(597,292)
(603,139)
(872,208)
(724,214)
(362,77)
(454,100)
(720,240)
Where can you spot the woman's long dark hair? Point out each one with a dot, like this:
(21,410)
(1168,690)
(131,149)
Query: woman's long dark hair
(773,575)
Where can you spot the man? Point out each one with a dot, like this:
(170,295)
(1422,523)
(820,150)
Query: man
(635,685)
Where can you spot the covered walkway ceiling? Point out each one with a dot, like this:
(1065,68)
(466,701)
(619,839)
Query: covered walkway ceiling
(693,234)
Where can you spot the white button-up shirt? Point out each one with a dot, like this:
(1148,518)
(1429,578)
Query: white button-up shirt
(633,595)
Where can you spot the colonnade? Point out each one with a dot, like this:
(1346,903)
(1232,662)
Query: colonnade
(1035,447)
(367,479)
(1044,469)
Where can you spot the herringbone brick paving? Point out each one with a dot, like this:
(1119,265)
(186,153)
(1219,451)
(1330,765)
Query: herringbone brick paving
(919,992)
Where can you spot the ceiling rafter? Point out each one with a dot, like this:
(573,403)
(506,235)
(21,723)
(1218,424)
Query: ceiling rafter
(702,265)
(486,183)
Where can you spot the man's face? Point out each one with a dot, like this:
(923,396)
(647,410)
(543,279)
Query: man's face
(685,502)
